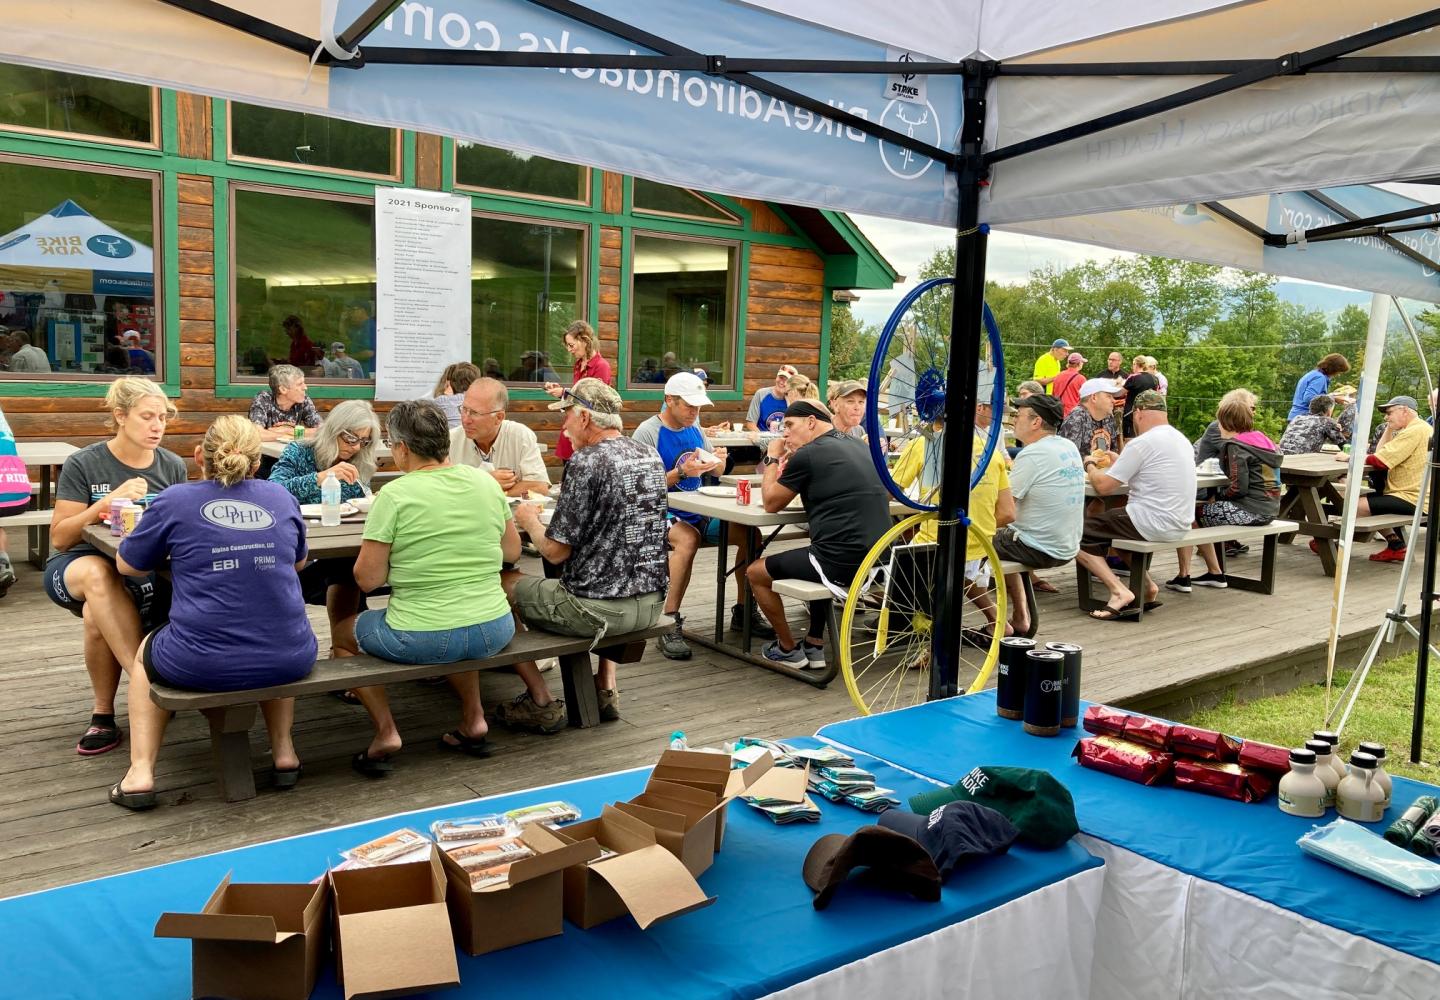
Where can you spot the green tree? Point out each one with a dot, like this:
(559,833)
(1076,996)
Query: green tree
(852,344)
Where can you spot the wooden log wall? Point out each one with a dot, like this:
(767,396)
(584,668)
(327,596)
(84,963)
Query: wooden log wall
(783,316)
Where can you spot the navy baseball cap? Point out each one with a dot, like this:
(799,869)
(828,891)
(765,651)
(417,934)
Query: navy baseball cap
(1062,342)
(954,834)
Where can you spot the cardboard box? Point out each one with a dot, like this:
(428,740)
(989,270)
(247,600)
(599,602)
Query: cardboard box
(254,941)
(392,929)
(529,908)
(711,773)
(644,880)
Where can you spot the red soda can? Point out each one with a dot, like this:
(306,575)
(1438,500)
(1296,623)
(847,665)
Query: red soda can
(742,492)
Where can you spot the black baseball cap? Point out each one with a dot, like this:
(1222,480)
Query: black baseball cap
(955,833)
(1040,806)
(893,860)
(1047,407)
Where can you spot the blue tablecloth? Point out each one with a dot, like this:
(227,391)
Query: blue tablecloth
(1250,848)
(95,938)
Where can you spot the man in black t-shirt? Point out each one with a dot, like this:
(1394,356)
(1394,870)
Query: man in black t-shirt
(848,509)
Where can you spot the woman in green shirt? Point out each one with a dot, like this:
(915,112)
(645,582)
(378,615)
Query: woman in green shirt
(437,536)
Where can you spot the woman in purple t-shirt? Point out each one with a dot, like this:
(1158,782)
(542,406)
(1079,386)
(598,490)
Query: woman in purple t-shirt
(234,545)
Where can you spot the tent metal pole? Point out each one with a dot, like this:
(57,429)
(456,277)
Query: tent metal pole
(367,22)
(1427,604)
(966,332)
(1402,248)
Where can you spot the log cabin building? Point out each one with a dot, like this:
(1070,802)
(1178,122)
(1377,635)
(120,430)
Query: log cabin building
(156,231)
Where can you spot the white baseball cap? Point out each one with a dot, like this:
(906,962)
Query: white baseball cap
(687,386)
(1094,385)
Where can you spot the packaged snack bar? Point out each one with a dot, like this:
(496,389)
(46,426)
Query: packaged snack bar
(383,850)
(483,856)
(1227,780)
(466,830)
(823,756)
(1202,744)
(544,812)
(1104,721)
(485,878)
(1124,759)
(1150,732)
(1264,757)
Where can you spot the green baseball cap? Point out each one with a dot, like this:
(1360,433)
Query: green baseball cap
(1040,807)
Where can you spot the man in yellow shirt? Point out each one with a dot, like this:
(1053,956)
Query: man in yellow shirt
(1400,456)
(1048,365)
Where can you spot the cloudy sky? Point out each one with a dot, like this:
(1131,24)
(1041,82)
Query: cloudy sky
(907,245)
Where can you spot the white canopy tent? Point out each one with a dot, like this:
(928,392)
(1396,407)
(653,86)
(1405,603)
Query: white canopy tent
(1089,120)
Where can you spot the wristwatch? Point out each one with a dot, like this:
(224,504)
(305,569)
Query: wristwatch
(769,460)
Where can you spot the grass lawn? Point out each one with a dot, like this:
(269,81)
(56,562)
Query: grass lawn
(1382,715)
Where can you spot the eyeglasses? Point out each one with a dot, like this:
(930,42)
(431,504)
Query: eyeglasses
(465,411)
(354,439)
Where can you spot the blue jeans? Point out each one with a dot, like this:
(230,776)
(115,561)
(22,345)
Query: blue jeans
(469,642)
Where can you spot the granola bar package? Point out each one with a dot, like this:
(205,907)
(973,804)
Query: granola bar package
(1229,781)
(1202,744)
(1104,721)
(1265,758)
(1124,759)
(1150,732)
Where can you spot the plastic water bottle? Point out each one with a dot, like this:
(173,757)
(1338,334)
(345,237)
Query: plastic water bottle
(330,501)
(677,741)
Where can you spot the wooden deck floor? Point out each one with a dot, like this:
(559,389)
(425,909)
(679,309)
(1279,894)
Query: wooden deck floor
(56,827)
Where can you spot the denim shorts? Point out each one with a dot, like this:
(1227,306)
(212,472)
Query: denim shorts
(468,642)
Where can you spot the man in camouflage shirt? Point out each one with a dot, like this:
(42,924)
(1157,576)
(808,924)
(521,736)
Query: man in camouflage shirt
(1306,433)
(608,535)
(1092,426)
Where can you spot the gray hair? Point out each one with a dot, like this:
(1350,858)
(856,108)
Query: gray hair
(494,390)
(1322,404)
(1031,386)
(606,421)
(353,415)
(421,426)
(282,377)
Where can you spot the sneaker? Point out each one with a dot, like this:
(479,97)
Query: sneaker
(673,643)
(7,577)
(1117,564)
(795,657)
(548,664)
(1389,555)
(1216,580)
(759,627)
(814,656)
(1180,584)
(1315,546)
(1236,548)
(521,712)
(609,704)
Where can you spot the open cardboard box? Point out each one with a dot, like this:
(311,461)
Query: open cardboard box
(712,774)
(528,908)
(254,941)
(645,880)
(392,929)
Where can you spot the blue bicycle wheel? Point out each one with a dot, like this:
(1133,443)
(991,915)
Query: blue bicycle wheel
(906,394)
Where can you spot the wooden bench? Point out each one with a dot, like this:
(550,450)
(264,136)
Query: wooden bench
(1370,525)
(232,713)
(1006,568)
(1142,551)
(812,594)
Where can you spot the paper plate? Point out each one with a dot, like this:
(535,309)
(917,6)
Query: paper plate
(717,491)
(313,510)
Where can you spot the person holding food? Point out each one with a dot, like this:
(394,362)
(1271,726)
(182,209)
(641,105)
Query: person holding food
(1091,427)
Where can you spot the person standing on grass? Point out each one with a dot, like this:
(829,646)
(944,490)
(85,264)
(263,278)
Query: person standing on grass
(1157,465)
(1316,381)
(229,541)
(116,610)
(1047,366)
(1250,496)
(1397,468)
(1067,384)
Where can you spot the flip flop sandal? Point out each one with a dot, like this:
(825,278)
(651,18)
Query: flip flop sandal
(286,778)
(1152,605)
(1044,586)
(1109,614)
(137,801)
(98,740)
(373,767)
(464,744)
(348,697)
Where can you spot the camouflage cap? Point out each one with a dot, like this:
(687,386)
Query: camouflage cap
(1150,399)
(592,394)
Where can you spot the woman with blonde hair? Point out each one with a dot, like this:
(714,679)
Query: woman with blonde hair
(130,466)
(801,388)
(345,446)
(230,542)
(584,347)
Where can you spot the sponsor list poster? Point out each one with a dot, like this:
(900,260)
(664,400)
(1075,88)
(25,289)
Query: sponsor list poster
(422,264)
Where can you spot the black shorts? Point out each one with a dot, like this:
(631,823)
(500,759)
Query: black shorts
(1386,503)
(1103,528)
(317,579)
(151,593)
(795,564)
(1010,548)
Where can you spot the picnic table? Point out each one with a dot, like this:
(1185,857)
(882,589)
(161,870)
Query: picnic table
(1309,481)
(47,457)
(1203,481)
(341,541)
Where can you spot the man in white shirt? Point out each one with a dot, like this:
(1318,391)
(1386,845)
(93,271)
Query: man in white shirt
(27,357)
(1047,483)
(507,450)
(1158,465)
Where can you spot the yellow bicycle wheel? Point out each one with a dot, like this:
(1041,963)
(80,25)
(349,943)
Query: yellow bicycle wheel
(886,628)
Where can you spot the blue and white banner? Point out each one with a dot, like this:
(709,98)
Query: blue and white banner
(689,128)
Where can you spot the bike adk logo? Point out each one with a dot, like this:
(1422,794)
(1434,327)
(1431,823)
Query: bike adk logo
(917,121)
(110,246)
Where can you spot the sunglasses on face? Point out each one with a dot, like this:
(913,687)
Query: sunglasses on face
(354,439)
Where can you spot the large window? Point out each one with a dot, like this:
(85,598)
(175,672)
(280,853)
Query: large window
(526,289)
(77,271)
(663,199)
(300,140)
(682,309)
(311,258)
(44,100)
(492,169)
